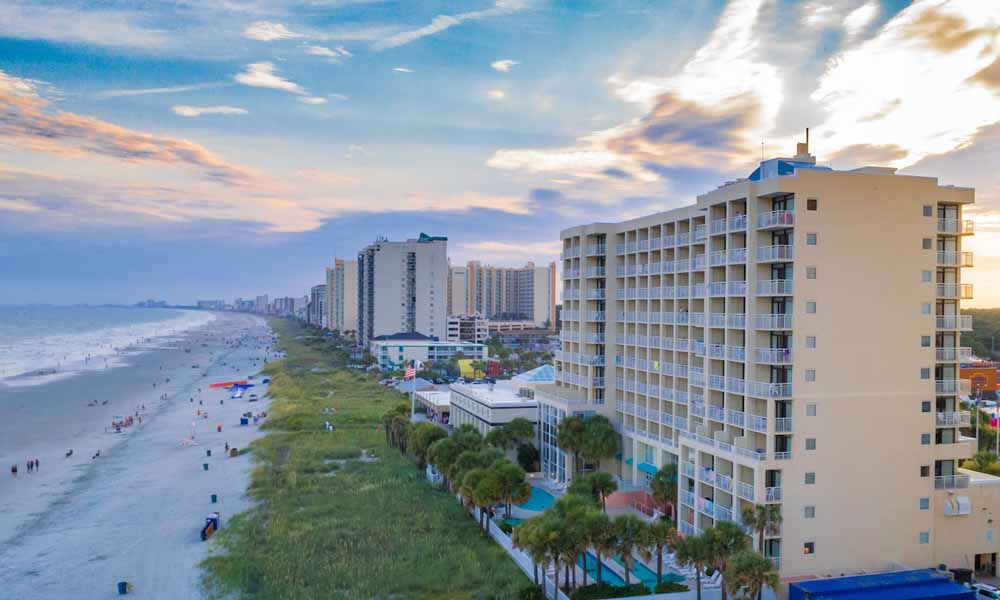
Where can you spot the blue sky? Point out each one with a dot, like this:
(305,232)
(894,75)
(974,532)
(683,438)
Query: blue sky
(224,148)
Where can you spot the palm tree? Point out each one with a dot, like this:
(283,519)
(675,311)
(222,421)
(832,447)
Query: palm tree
(513,487)
(422,436)
(695,551)
(727,540)
(664,487)
(488,492)
(662,536)
(470,481)
(520,430)
(599,534)
(750,572)
(629,535)
(525,536)
(603,485)
(442,455)
(569,438)
(600,440)
(760,518)
(603,540)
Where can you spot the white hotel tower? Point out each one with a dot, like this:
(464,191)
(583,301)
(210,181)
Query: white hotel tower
(790,338)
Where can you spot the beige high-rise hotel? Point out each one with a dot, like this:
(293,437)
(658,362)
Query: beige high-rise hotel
(791,338)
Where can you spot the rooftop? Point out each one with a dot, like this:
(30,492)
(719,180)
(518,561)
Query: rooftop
(502,393)
(543,374)
(902,585)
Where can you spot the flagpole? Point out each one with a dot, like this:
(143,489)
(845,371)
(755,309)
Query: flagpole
(413,392)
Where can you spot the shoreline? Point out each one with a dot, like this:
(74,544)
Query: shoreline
(143,501)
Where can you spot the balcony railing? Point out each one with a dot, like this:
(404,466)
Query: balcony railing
(744,490)
(571,252)
(774,254)
(772,494)
(951,482)
(597,249)
(948,386)
(774,287)
(736,288)
(761,389)
(951,258)
(596,293)
(959,291)
(775,219)
(773,356)
(955,226)
(571,294)
(717,288)
(736,255)
(954,419)
(736,320)
(783,321)
(596,271)
(952,354)
(783,425)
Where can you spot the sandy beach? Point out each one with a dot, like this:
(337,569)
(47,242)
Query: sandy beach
(78,525)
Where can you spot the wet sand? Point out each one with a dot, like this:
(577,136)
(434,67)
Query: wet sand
(78,525)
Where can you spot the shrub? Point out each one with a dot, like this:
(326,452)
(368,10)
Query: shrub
(506,527)
(532,592)
(597,592)
(669,587)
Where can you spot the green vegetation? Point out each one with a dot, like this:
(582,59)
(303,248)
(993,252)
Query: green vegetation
(590,439)
(985,329)
(328,525)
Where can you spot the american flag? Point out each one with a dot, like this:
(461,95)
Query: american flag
(410,372)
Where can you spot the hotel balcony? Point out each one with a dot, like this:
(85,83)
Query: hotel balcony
(596,271)
(783,425)
(594,249)
(951,482)
(717,288)
(736,320)
(955,322)
(570,315)
(774,287)
(571,294)
(957,291)
(569,336)
(955,226)
(596,293)
(950,386)
(772,494)
(744,490)
(953,354)
(595,315)
(761,389)
(775,219)
(767,254)
(773,356)
(773,321)
(571,252)
(594,338)
(953,419)
(959,450)
(571,273)
(736,256)
(700,232)
(951,258)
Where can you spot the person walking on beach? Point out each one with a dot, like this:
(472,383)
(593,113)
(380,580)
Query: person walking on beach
(13,470)
(36,464)
(29,465)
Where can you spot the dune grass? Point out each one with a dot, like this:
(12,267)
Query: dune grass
(326,526)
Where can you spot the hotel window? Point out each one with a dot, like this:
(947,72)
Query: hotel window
(811,239)
(812,203)
(810,341)
(925,308)
(925,537)
(811,410)
(925,406)
(928,243)
(925,341)
(928,210)
(810,272)
(811,307)
(925,373)
(925,471)
(810,478)
(925,276)
(810,443)
(925,504)
(925,439)
(810,512)
(810,374)
(809,548)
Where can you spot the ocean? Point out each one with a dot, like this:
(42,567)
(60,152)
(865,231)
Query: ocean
(41,342)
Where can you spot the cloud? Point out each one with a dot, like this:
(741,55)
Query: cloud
(496,94)
(356,150)
(18,205)
(497,251)
(312,100)
(335,55)
(263,74)
(327,177)
(158,90)
(860,155)
(196,111)
(503,65)
(443,22)
(99,27)
(28,125)
(267,31)
(402,70)
(341,97)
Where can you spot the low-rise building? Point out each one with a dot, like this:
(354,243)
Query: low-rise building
(468,329)
(436,403)
(396,350)
(487,406)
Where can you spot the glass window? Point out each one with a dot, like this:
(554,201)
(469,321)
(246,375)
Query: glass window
(925,471)
(810,272)
(925,276)
(810,478)
(810,341)
(925,406)
(811,239)
(810,374)
(809,548)
(811,307)
(928,210)
(812,203)
(925,308)
(925,341)
(925,373)
(810,512)
(810,443)
(810,410)
(925,504)
(925,439)
(928,243)
(925,537)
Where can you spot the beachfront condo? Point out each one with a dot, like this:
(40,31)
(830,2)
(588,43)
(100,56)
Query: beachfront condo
(402,287)
(792,338)
(342,295)
(317,305)
(525,293)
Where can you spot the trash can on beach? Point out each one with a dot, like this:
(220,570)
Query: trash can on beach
(244,421)
(208,452)
(215,498)
(204,466)
(122,588)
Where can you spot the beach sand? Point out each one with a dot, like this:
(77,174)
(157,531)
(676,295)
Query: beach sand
(78,525)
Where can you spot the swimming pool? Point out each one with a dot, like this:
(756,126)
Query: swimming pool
(607,575)
(539,501)
(513,521)
(648,576)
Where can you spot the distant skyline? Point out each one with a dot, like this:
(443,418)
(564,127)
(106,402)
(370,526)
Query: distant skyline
(224,148)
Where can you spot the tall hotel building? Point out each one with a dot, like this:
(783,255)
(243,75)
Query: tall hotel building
(792,338)
(525,293)
(342,295)
(402,288)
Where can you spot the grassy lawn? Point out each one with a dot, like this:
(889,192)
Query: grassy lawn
(328,526)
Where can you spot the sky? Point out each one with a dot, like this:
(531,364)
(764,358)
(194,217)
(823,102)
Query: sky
(188,149)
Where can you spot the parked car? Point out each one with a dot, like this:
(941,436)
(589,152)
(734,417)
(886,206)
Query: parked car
(984,590)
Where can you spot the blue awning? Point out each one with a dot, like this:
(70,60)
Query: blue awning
(629,461)
(648,468)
